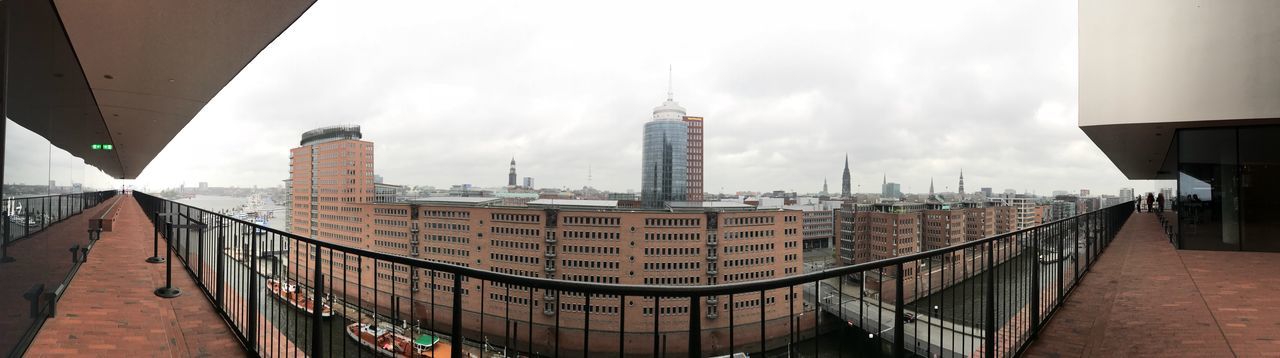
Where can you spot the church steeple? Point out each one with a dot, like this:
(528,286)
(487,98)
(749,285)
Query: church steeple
(962,184)
(846,183)
(930,187)
(511,175)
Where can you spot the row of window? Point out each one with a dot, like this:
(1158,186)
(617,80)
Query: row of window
(515,244)
(591,220)
(748,220)
(677,236)
(391,244)
(446,214)
(448,251)
(750,234)
(515,231)
(576,307)
(389,233)
(593,250)
(390,211)
(388,222)
(662,222)
(673,280)
(515,258)
(590,264)
(748,276)
(570,234)
(673,265)
(449,226)
(672,251)
(448,239)
(748,261)
(516,218)
(590,278)
(748,248)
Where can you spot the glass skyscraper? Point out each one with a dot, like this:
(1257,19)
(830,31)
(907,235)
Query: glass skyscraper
(665,158)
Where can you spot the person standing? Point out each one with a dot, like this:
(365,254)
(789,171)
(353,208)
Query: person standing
(1150,200)
(1138,202)
(1160,203)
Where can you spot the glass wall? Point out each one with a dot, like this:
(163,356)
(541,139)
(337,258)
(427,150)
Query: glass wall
(44,213)
(1225,178)
(1260,188)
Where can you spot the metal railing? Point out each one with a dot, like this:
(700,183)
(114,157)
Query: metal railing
(36,235)
(986,297)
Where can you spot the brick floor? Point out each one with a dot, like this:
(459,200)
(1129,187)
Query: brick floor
(109,309)
(1143,298)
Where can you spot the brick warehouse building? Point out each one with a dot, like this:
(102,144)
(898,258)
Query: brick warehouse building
(872,232)
(577,240)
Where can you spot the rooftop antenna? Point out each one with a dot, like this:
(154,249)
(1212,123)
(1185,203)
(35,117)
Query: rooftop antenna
(670,93)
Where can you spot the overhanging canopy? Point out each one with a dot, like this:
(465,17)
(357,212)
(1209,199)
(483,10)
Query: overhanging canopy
(131,73)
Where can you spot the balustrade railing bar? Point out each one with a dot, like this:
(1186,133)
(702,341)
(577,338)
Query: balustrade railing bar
(986,297)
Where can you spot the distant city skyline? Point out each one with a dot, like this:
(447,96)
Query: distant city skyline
(922,98)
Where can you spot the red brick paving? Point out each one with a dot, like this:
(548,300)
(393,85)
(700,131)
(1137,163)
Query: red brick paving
(109,309)
(1143,298)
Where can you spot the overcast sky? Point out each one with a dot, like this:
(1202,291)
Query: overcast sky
(450,91)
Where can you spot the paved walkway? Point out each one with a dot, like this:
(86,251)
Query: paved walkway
(1143,298)
(109,309)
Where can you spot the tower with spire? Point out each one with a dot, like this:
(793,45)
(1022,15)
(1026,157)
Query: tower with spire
(962,184)
(511,175)
(824,187)
(931,187)
(665,156)
(847,181)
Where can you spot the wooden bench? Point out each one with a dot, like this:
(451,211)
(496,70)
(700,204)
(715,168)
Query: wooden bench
(108,218)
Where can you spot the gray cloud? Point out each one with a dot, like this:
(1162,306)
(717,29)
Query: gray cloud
(449,92)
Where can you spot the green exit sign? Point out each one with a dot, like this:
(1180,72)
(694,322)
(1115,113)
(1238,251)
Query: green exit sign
(102,146)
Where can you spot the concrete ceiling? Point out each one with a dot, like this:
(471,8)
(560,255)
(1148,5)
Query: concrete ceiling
(135,72)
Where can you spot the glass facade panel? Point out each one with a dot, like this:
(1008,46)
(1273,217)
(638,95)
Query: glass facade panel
(665,160)
(1227,179)
(1260,187)
(1207,189)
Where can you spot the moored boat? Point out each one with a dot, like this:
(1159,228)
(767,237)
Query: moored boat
(389,341)
(289,293)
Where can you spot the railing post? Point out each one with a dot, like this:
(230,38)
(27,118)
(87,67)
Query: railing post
(1061,261)
(4,246)
(221,266)
(155,239)
(695,327)
(899,342)
(1035,282)
(456,330)
(168,291)
(317,308)
(990,300)
(252,257)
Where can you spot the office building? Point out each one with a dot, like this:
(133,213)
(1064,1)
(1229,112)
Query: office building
(891,190)
(693,188)
(528,182)
(330,168)
(1127,194)
(685,243)
(665,157)
(818,225)
(987,193)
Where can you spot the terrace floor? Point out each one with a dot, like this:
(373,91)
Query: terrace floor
(109,309)
(1143,298)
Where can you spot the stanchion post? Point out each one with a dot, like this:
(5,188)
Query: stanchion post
(168,291)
